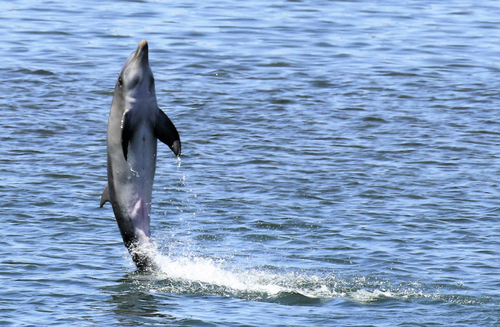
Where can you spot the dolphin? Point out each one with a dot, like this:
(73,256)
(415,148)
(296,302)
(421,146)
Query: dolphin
(134,126)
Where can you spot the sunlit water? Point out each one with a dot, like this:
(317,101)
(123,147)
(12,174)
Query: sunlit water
(340,164)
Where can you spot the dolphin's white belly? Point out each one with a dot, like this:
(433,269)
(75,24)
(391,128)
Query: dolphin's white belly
(133,180)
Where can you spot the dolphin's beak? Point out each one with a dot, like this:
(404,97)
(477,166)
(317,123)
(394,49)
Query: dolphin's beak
(142,52)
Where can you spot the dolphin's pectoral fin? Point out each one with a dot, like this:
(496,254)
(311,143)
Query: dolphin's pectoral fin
(105,195)
(166,132)
(126,131)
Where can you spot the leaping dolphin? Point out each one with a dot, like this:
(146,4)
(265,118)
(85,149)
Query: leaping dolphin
(135,123)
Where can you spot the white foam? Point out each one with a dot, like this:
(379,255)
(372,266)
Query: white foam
(366,296)
(191,274)
(209,272)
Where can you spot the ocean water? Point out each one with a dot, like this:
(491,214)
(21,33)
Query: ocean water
(340,164)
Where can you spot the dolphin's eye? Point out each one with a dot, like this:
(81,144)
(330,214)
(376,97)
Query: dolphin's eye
(120,81)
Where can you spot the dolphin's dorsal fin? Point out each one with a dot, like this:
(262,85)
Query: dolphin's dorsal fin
(127,131)
(105,195)
(166,132)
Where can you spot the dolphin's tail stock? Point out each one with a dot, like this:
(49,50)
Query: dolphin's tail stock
(144,255)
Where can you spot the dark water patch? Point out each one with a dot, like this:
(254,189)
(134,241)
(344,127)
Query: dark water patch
(293,299)
(353,109)
(283,101)
(324,45)
(269,225)
(40,72)
(322,84)
(374,119)
(117,36)
(276,64)
(55,33)
(399,74)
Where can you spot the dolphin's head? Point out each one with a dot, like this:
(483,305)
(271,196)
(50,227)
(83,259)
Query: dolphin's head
(136,78)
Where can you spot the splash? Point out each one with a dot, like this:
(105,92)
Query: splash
(206,275)
(190,274)
(200,275)
(213,275)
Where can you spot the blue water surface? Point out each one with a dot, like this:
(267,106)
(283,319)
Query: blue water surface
(340,163)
